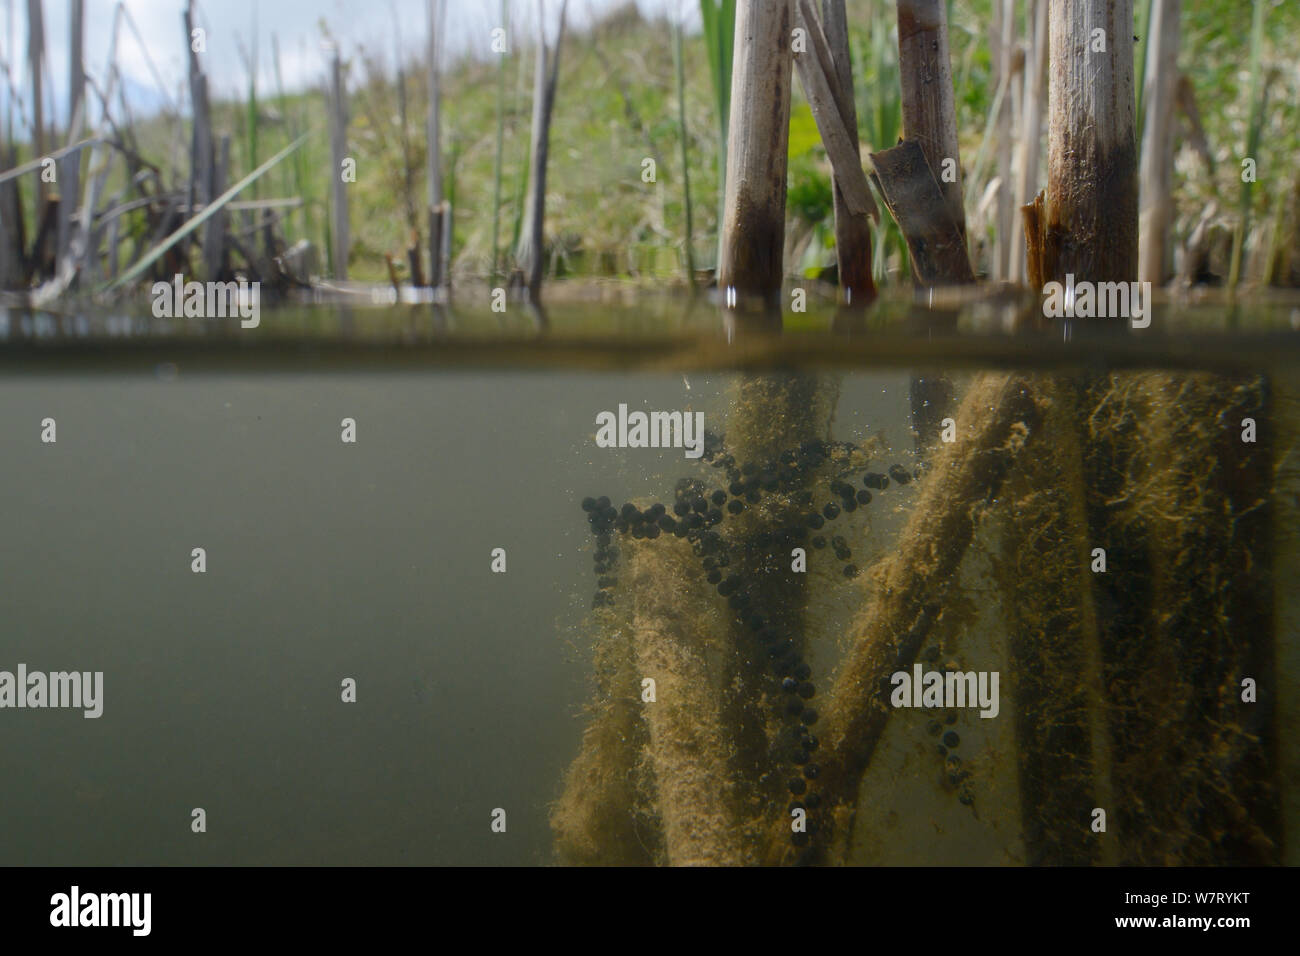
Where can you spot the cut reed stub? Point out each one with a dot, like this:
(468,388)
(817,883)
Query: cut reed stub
(916,201)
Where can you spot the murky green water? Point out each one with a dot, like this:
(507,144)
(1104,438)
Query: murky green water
(373,561)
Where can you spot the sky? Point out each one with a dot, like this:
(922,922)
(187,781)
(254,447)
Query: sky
(231,23)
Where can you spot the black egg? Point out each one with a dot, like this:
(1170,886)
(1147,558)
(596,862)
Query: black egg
(850,506)
(736,506)
(806,691)
(899,474)
(629,512)
(831,511)
(819,542)
(813,801)
(810,741)
(850,570)
(808,716)
(797,785)
(718,497)
(864,497)
(667,523)
(815,521)
(874,479)
(790,685)
(602,503)
(950,739)
(933,728)
(651,530)
(799,758)
(752,497)
(803,672)
(965,797)
(588,504)
(715,577)
(812,771)
(793,706)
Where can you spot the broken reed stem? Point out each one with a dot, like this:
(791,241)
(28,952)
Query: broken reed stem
(1031,127)
(1034,220)
(852,232)
(826,100)
(916,200)
(997,416)
(928,99)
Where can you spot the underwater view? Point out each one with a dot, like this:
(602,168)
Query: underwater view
(922,608)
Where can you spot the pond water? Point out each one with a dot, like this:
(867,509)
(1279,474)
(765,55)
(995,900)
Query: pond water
(392,647)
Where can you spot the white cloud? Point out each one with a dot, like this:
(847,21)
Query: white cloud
(295,23)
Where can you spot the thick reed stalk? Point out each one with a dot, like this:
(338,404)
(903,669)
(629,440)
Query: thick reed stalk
(1091,221)
(753,231)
